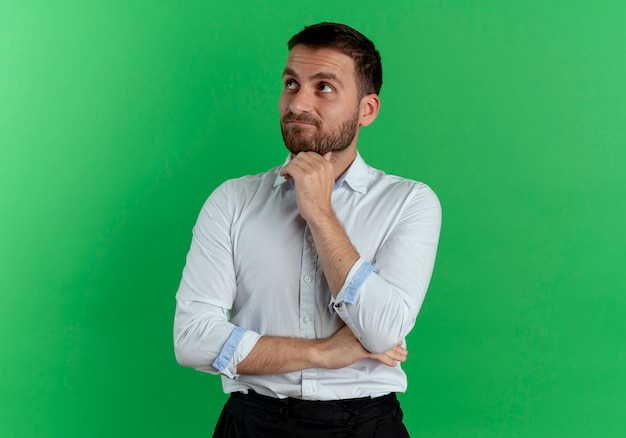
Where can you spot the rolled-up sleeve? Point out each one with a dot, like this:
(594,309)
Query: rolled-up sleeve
(204,339)
(380,298)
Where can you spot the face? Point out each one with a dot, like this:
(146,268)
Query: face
(319,105)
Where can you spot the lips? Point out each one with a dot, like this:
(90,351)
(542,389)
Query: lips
(299,123)
(300,120)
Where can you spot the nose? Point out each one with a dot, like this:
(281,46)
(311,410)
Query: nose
(301,102)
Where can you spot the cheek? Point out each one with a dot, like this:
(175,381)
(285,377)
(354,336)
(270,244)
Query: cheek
(335,113)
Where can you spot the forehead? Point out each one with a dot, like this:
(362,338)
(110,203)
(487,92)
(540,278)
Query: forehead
(307,62)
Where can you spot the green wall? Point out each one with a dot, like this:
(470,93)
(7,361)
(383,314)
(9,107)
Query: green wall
(118,118)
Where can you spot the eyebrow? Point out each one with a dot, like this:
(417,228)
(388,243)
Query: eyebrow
(321,75)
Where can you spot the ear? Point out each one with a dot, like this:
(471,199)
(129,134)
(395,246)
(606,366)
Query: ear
(369,106)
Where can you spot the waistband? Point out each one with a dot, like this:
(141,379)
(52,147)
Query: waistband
(340,410)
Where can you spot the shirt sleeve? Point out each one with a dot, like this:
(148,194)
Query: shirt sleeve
(204,339)
(380,299)
(237,347)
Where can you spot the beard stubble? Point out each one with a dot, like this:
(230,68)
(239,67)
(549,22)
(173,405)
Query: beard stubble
(297,140)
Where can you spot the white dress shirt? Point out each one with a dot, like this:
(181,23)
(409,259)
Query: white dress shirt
(253,270)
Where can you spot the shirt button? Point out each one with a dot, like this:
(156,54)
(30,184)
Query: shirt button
(308,389)
(307,319)
(307,278)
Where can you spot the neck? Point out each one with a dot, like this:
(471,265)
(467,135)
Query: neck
(342,160)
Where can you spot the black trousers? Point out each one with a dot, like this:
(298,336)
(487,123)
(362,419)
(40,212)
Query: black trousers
(257,416)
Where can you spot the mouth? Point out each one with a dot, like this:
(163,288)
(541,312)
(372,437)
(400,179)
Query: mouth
(300,121)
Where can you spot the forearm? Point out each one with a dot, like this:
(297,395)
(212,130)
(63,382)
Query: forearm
(334,249)
(211,344)
(275,355)
(314,178)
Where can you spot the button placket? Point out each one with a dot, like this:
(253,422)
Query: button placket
(308,281)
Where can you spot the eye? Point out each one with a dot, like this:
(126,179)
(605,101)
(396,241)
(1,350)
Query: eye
(325,88)
(290,84)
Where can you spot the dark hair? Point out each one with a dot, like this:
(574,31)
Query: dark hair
(350,42)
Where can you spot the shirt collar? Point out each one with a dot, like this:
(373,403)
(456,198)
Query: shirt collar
(280,179)
(355,176)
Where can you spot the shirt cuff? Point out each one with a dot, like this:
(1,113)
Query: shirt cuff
(237,347)
(349,292)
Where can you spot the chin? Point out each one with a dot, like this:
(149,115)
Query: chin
(296,147)
(297,150)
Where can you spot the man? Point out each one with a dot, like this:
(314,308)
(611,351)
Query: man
(301,283)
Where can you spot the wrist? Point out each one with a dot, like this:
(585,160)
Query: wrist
(315,353)
(322,218)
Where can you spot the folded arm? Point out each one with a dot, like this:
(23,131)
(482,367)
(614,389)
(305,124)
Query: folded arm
(205,340)
(378,299)
(198,344)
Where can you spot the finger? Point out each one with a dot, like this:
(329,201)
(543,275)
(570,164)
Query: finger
(300,162)
(297,164)
(391,357)
(391,360)
(401,353)
(308,161)
(397,353)
(305,164)
(284,172)
(384,358)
